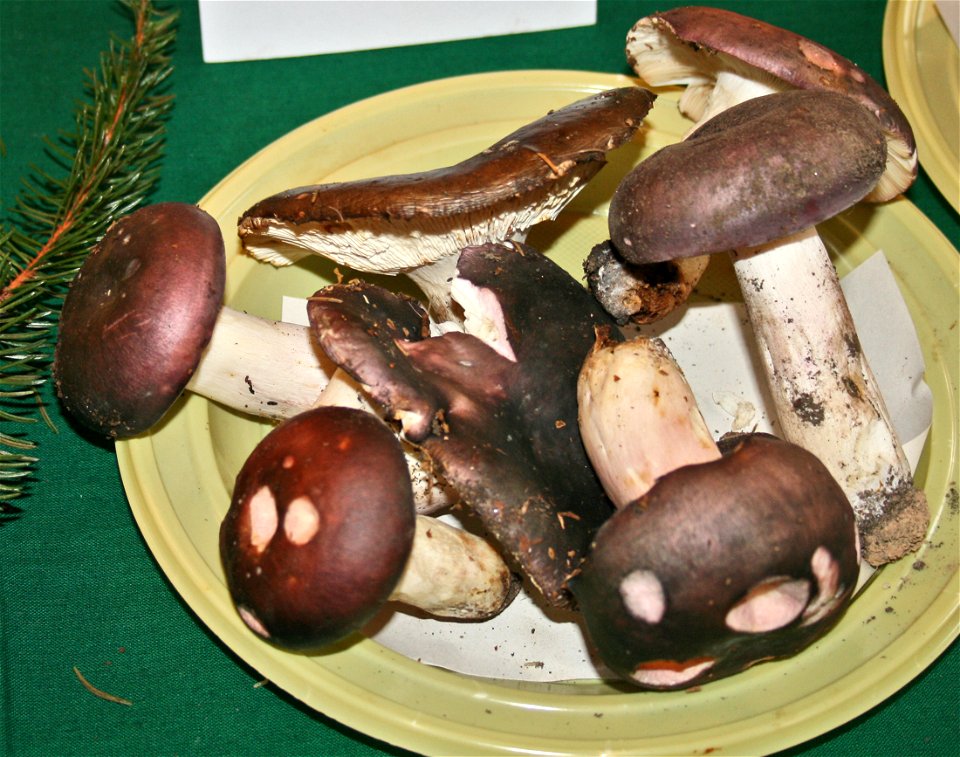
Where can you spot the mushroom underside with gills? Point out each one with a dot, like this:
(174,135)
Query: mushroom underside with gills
(416,224)
(498,417)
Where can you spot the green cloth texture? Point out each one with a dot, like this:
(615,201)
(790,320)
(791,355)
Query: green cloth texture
(78,585)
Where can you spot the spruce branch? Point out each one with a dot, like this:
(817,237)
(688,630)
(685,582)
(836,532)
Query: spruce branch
(102,170)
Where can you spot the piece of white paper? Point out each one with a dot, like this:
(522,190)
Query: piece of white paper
(236,30)
(949,11)
(714,346)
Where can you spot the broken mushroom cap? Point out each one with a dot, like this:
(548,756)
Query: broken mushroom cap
(720,566)
(138,316)
(761,170)
(695,45)
(411,223)
(320,527)
(497,415)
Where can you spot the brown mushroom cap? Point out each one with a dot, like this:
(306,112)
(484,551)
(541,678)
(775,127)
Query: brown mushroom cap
(720,566)
(759,171)
(138,316)
(320,527)
(526,177)
(700,37)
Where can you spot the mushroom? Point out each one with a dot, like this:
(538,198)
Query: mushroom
(322,532)
(143,321)
(496,415)
(637,415)
(724,58)
(415,224)
(754,180)
(727,557)
(642,293)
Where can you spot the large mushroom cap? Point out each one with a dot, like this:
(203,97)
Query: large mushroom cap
(394,224)
(138,316)
(320,527)
(759,171)
(691,45)
(720,566)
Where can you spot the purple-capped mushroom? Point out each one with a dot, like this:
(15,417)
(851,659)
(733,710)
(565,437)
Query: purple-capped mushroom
(827,399)
(144,321)
(755,180)
(728,556)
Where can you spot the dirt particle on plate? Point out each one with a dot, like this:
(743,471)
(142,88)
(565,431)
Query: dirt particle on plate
(952,499)
(919,565)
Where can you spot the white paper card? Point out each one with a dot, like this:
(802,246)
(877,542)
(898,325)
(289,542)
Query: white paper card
(714,346)
(950,13)
(235,30)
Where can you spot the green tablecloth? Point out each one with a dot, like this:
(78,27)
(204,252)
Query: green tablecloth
(78,586)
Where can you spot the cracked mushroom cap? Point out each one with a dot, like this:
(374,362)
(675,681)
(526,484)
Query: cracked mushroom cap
(757,172)
(640,293)
(499,422)
(392,224)
(691,45)
(138,316)
(320,527)
(721,566)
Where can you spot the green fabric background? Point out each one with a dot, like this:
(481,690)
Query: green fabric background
(78,586)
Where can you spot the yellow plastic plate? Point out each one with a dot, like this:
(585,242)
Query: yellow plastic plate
(178,478)
(922,66)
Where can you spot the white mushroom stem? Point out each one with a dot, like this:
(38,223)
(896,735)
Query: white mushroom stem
(453,573)
(266,368)
(272,369)
(826,397)
(430,495)
(638,417)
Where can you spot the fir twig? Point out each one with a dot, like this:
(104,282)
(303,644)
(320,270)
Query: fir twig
(109,165)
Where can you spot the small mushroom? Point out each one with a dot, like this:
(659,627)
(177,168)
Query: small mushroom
(143,321)
(754,180)
(322,532)
(729,556)
(415,224)
(642,293)
(496,415)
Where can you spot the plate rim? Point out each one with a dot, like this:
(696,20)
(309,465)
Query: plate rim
(902,70)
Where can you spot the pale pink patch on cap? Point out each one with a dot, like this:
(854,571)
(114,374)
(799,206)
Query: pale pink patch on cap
(301,521)
(643,596)
(769,605)
(263,518)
